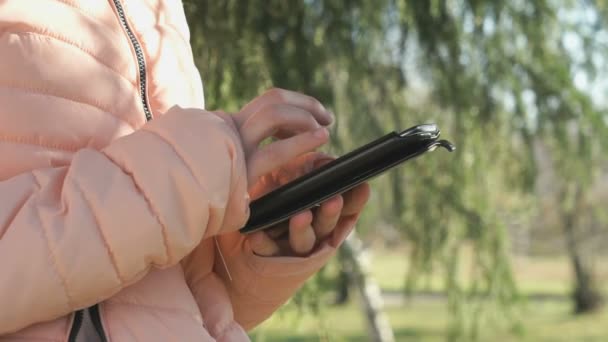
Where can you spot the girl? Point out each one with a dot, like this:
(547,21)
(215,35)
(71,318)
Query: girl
(121,197)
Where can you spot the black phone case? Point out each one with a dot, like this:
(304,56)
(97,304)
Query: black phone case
(342,174)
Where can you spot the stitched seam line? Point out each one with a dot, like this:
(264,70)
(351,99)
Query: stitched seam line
(178,153)
(89,14)
(32,142)
(101,232)
(63,39)
(167,22)
(153,209)
(168,143)
(54,260)
(188,166)
(171,27)
(47,92)
(13,215)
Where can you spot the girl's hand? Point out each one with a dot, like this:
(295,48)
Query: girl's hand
(299,236)
(296,120)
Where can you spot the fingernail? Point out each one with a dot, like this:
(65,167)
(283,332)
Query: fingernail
(321,132)
(247,199)
(247,202)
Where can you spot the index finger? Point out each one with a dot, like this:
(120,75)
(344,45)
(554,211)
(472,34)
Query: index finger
(283,96)
(355,199)
(279,153)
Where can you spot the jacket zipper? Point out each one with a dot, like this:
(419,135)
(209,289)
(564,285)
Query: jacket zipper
(76,325)
(96,318)
(141,64)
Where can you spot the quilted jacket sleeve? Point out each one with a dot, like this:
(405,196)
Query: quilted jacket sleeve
(73,236)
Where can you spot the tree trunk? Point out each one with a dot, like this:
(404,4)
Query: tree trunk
(379,327)
(345,278)
(586,296)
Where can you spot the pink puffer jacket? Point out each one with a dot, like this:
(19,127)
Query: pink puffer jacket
(104,211)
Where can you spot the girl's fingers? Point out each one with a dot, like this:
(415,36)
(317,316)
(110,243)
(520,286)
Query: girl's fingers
(279,231)
(279,153)
(282,96)
(263,245)
(279,120)
(343,228)
(355,199)
(326,217)
(301,235)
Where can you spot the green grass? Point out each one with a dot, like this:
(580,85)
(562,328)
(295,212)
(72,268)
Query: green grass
(346,324)
(423,319)
(426,321)
(536,275)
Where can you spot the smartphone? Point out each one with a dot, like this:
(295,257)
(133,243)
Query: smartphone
(342,174)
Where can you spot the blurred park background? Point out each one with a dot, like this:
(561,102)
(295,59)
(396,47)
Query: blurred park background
(503,240)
